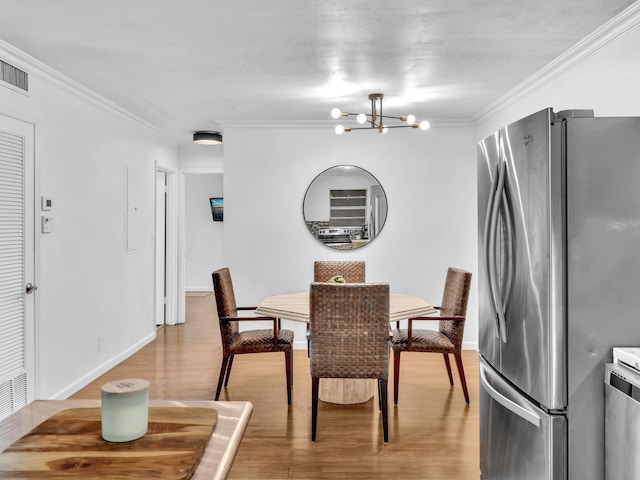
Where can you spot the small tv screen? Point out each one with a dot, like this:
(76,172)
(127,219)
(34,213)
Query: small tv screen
(217,208)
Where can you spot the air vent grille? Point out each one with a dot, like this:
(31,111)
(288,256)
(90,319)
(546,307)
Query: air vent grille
(14,76)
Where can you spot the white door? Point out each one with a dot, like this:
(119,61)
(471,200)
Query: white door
(161,248)
(17,259)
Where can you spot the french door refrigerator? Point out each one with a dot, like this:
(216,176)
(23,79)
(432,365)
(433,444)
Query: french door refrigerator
(559,270)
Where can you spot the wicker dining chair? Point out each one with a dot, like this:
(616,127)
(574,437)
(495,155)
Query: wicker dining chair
(235,342)
(448,339)
(349,338)
(351,271)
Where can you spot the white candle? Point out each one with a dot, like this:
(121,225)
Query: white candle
(125,410)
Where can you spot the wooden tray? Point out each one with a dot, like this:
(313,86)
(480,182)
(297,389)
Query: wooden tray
(70,445)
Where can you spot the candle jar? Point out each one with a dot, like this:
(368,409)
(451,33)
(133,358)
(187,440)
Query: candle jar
(125,410)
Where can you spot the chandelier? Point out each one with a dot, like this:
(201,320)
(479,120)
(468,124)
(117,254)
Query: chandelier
(376,119)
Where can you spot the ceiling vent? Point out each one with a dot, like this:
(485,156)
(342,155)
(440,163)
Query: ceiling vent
(14,76)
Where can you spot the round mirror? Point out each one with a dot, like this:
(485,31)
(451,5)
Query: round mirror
(345,207)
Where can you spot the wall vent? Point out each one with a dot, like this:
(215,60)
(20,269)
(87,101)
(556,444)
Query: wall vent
(13,395)
(14,76)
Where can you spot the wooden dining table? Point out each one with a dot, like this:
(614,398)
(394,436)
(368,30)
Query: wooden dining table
(295,306)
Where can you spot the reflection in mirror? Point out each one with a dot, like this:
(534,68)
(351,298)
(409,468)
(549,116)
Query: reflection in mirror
(345,207)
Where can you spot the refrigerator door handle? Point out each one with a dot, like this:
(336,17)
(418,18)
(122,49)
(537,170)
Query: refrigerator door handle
(513,407)
(507,286)
(491,264)
(487,249)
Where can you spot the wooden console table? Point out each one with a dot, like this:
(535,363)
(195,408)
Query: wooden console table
(216,460)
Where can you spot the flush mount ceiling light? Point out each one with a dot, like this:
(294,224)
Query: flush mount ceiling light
(207,138)
(376,119)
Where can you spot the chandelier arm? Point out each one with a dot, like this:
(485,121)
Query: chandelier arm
(385,126)
(389,116)
(377,116)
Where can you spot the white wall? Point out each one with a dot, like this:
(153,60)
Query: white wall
(88,285)
(429,179)
(604,79)
(203,237)
(193,156)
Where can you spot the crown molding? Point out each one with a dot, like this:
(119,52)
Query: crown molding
(35,67)
(620,25)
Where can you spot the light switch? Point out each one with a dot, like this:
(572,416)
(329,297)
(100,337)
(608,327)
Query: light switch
(47,224)
(47,203)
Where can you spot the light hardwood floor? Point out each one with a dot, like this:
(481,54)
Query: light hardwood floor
(433,434)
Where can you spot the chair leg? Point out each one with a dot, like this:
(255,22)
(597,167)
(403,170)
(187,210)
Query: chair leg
(226,380)
(396,374)
(223,371)
(385,410)
(379,395)
(315,381)
(463,381)
(448,364)
(287,366)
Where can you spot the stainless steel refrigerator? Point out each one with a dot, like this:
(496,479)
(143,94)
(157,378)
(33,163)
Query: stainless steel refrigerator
(559,286)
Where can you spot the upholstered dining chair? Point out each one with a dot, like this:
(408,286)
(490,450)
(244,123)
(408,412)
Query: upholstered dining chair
(448,338)
(235,342)
(351,271)
(349,338)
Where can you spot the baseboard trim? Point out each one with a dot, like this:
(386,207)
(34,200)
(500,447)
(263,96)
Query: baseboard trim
(101,369)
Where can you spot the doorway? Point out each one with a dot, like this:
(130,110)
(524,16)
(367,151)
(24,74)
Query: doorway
(200,210)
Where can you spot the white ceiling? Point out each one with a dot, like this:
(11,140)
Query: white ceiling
(188,65)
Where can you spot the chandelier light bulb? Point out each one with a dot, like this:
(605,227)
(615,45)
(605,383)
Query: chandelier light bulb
(425,125)
(411,119)
(384,130)
(339,129)
(336,113)
(361,118)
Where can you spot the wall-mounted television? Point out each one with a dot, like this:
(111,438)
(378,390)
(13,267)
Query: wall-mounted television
(217,208)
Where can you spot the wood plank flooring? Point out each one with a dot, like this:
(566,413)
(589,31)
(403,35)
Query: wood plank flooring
(433,434)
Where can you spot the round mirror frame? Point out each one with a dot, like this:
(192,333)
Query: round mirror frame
(352,212)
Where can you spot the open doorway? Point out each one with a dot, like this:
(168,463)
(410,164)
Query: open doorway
(201,246)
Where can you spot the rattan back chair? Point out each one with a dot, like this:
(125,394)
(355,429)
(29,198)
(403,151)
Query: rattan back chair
(349,338)
(235,342)
(351,271)
(448,338)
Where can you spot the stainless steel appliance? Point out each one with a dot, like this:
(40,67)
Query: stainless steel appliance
(334,235)
(559,270)
(622,422)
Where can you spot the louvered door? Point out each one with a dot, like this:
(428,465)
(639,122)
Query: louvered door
(16,265)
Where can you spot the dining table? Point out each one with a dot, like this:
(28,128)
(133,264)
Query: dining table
(61,439)
(295,306)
